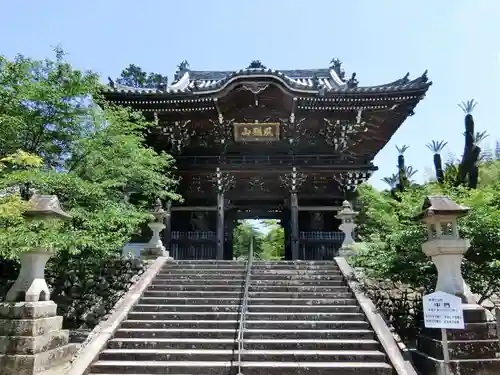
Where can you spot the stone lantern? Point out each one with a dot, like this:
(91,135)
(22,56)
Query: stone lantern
(444,246)
(473,349)
(346,215)
(154,248)
(30,285)
(31,336)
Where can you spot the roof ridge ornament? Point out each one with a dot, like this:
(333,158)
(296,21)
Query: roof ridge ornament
(336,65)
(256,64)
(352,83)
(182,68)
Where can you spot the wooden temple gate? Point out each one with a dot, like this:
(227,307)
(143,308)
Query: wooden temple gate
(290,145)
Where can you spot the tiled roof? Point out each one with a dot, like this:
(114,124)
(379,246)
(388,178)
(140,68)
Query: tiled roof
(311,81)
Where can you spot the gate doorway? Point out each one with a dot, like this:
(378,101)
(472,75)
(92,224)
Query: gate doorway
(268,238)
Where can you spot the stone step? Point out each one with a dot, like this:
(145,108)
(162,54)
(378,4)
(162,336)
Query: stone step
(239,287)
(288,264)
(250,324)
(190,287)
(298,288)
(298,276)
(251,301)
(270,309)
(298,282)
(249,344)
(246,355)
(247,368)
(233,315)
(292,271)
(203,276)
(196,281)
(238,293)
(221,333)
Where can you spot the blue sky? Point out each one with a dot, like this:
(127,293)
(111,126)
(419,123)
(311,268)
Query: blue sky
(456,40)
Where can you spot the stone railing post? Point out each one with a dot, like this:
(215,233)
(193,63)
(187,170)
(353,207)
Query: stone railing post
(347,215)
(470,350)
(154,248)
(31,335)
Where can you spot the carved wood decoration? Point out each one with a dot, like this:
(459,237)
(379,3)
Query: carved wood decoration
(340,134)
(293,131)
(255,88)
(195,185)
(350,180)
(320,183)
(257,184)
(293,180)
(222,181)
(178,133)
(222,130)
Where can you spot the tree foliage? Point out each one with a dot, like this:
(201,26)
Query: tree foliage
(58,136)
(268,237)
(394,241)
(134,76)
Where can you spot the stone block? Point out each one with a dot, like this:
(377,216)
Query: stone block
(31,364)
(432,366)
(459,349)
(30,327)
(31,338)
(27,310)
(151,253)
(33,344)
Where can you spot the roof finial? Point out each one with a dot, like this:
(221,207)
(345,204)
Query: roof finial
(336,65)
(256,64)
(352,82)
(182,68)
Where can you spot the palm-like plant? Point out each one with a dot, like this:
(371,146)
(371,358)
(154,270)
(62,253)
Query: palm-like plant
(410,172)
(437,147)
(403,181)
(392,180)
(467,162)
(480,136)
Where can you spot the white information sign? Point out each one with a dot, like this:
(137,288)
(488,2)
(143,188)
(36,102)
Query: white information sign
(443,310)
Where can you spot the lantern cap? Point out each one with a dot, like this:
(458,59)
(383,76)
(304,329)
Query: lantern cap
(346,210)
(157,210)
(45,206)
(441,205)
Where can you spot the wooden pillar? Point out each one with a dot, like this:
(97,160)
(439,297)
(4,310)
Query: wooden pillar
(293,181)
(223,182)
(220,225)
(294,221)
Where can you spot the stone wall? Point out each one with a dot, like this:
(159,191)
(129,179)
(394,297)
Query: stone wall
(84,288)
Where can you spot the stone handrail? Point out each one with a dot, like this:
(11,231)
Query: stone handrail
(401,365)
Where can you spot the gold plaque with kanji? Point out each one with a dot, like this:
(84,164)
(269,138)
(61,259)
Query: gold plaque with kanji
(256,132)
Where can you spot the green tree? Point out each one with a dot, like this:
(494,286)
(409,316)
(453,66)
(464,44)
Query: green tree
(91,154)
(134,76)
(243,234)
(273,244)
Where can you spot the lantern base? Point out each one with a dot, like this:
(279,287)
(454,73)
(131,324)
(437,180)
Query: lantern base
(151,253)
(471,350)
(31,338)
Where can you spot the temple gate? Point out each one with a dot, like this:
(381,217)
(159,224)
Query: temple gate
(284,144)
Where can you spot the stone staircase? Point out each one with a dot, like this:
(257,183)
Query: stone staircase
(301,319)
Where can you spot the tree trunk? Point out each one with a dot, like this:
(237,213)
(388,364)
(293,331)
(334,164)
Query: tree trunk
(465,168)
(438,166)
